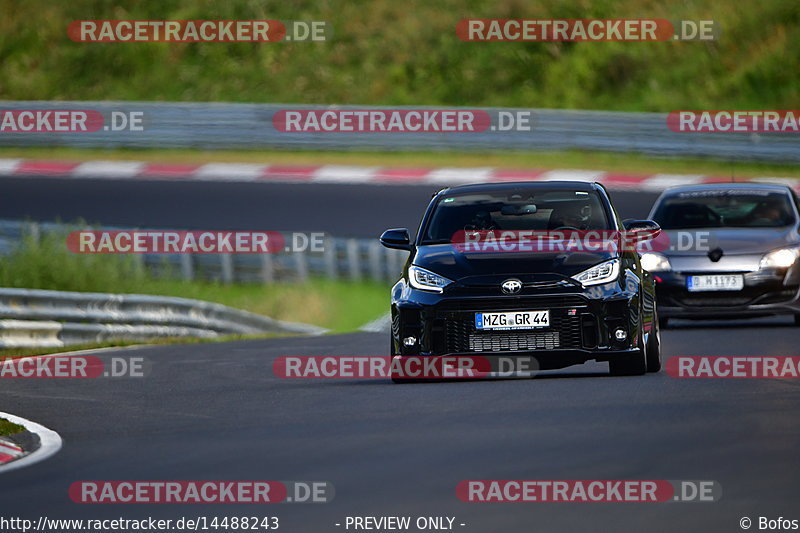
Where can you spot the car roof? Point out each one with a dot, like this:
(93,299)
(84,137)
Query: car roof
(586,186)
(722,186)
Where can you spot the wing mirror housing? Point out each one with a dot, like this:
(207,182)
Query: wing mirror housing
(639,231)
(641,226)
(396,238)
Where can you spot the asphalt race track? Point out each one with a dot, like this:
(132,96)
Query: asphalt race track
(217,412)
(339,209)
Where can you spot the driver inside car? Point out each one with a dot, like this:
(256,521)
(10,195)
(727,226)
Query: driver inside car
(482,221)
(767,214)
(571,217)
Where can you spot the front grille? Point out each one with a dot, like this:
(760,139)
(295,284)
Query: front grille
(511,303)
(461,336)
(513,341)
(708,300)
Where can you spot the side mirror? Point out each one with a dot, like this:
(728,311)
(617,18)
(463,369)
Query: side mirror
(396,238)
(639,231)
(641,226)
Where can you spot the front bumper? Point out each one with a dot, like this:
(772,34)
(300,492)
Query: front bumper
(582,326)
(766,292)
(488,365)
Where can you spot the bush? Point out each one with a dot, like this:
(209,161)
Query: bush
(386,52)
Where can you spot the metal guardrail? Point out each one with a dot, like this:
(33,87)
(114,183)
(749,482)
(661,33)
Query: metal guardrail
(44,318)
(341,258)
(249,126)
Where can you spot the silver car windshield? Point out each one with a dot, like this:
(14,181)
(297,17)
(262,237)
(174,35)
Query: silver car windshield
(733,208)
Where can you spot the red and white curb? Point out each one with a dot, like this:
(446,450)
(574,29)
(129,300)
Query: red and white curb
(49,444)
(9,451)
(344,174)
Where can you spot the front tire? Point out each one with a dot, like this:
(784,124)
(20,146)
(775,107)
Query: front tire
(654,347)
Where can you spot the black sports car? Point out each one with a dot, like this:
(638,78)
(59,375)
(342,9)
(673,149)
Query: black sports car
(557,305)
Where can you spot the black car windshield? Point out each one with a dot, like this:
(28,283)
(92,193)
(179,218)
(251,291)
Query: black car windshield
(727,208)
(515,210)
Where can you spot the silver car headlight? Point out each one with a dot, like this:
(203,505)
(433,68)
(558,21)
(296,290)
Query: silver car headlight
(425,280)
(781,258)
(653,262)
(598,274)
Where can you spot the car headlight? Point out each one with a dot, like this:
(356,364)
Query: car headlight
(426,280)
(602,273)
(782,258)
(653,262)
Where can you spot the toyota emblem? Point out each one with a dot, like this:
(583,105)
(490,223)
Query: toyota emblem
(511,286)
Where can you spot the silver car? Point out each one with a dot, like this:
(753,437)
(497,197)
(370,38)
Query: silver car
(727,250)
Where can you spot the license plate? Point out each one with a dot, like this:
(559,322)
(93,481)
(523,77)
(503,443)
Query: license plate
(719,282)
(513,320)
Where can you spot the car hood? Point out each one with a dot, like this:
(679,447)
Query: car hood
(732,241)
(448,261)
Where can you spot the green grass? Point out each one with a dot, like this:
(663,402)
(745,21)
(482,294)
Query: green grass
(604,161)
(13,353)
(9,428)
(336,305)
(385,52)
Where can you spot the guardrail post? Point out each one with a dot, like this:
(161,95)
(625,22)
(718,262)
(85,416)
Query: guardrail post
(226,264)
(139,261)
(301,262)
(375,260)
(267,269)
(33,231)
(353,259)
(389,268)
(329,256)
(187,267)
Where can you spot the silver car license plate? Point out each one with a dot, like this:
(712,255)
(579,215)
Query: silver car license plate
(716,282)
